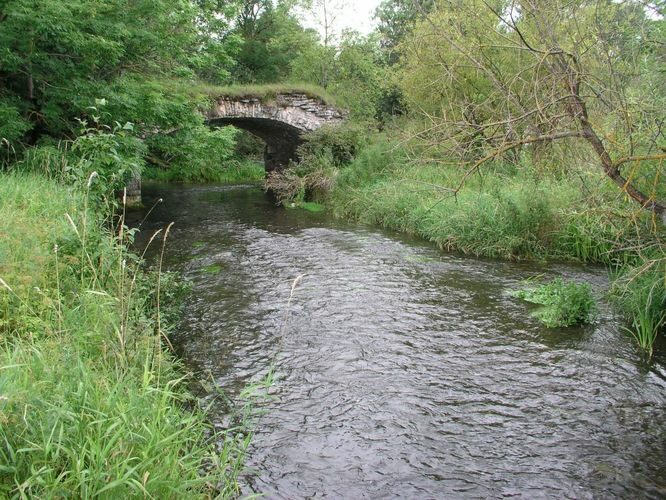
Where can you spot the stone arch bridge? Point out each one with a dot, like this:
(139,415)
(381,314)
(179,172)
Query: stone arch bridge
(280,122)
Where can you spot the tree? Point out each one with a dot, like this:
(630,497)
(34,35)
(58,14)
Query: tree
(491,77)
(396,20)
(272,38)
(58,57)
(358,76)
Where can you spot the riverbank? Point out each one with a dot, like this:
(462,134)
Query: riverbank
(235,172)
(516,214)
(91,401)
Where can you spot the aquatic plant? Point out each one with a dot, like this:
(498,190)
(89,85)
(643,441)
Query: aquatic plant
(641,291)
(565,303)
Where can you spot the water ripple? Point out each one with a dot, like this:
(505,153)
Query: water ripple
(403,372)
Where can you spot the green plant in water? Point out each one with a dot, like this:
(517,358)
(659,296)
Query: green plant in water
(212,269)
(646,328)
(565,303)
(310,206)
(641,291)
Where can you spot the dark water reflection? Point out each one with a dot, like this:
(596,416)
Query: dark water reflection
(402,371)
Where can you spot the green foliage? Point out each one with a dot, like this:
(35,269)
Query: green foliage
(565,303)
(334,146)
(200,154)
(58,57)
(197,153)
(102,160)
(487,82)
(272,39)
(352,72)
(235,171)
(92,405)
(324,152)
(249,146)
(12,128)
(396,20)
(358,79)
(315,64)
(493,217)
(640,289)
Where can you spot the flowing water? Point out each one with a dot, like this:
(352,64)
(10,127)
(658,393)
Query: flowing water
(402,371)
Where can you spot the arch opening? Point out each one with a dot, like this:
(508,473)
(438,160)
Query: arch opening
(281,139)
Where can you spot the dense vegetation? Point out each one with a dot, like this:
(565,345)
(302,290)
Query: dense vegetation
(91,402)
(505,129)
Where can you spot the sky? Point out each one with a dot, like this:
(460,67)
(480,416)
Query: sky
(348,14)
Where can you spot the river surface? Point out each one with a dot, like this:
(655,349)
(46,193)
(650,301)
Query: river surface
(402,371)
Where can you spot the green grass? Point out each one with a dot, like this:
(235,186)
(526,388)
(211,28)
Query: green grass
(640,290)
(91,402)
(565,303)
(511,215)
(234,173)
(265,92)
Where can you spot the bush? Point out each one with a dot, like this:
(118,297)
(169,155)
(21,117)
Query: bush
(195,154)
(565,303)
(112,153)
(12,128)
(331,146)
(325,152)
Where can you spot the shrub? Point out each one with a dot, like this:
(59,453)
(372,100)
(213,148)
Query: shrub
(325,152)
(338,145)
(112,153)
(195,154)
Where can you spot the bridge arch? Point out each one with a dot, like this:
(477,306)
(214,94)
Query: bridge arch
(280,122)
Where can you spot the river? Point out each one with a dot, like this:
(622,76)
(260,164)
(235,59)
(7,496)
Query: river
(402,371)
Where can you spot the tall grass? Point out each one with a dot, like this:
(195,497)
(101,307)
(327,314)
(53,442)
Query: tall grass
(91,402)
(640,290)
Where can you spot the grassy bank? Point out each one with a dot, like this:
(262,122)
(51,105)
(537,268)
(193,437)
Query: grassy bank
(514,213)
(91,404)
(265,93)
(509,212)
(235,172)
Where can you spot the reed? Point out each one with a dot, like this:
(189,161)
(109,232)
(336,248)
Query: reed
(641,291)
